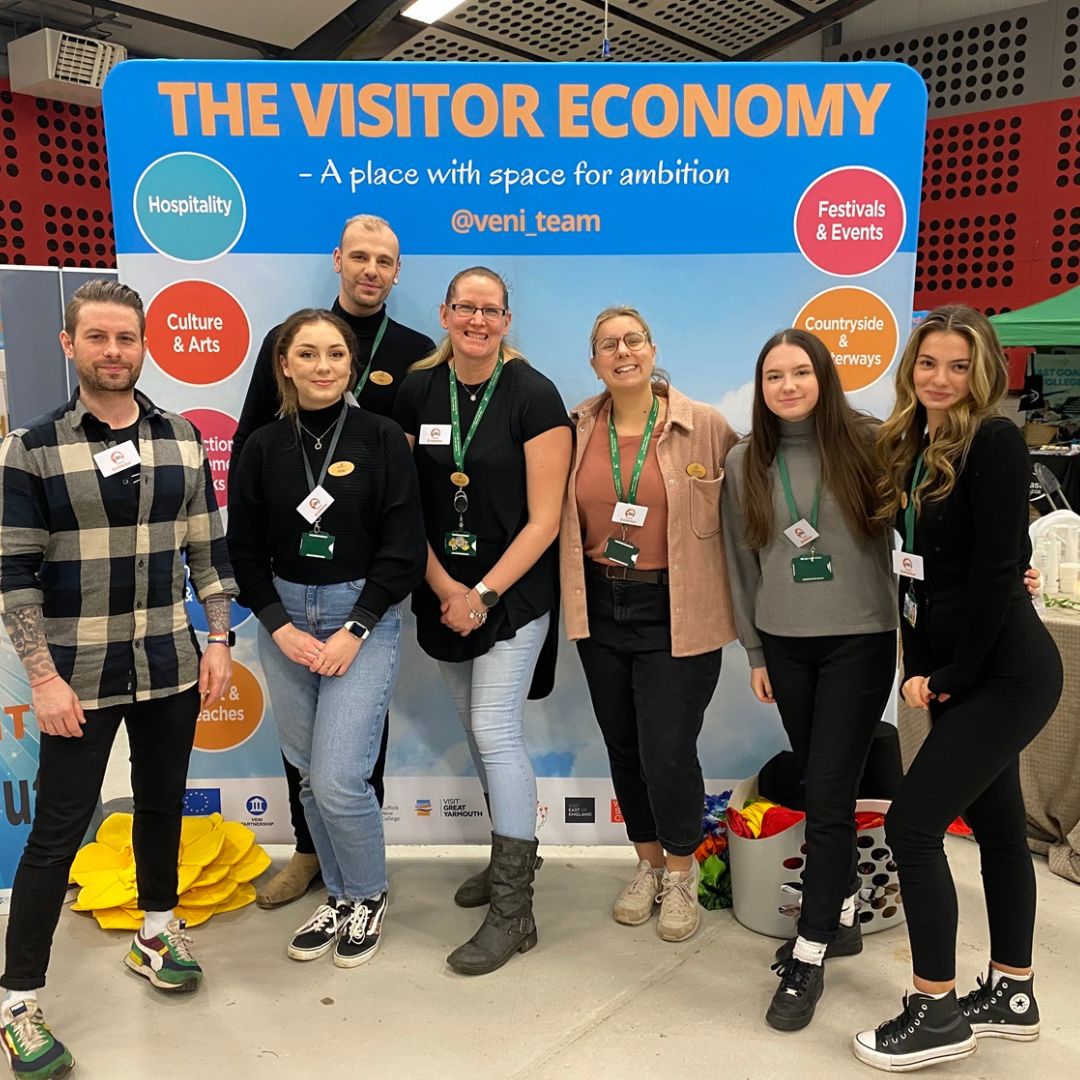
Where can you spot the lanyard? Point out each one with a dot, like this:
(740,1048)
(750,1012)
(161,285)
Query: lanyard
(909,510)
(785,481)
(371,359)
(462,448)
(329,452)
(639,461)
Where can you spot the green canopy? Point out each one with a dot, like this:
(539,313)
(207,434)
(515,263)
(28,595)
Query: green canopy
(1050,322)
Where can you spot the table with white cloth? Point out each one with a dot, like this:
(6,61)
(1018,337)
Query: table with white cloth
(1049,767)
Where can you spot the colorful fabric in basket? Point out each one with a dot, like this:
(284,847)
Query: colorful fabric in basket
(777,819)
(714,877)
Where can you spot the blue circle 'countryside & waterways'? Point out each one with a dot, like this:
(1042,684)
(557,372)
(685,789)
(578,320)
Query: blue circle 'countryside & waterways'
(189,207)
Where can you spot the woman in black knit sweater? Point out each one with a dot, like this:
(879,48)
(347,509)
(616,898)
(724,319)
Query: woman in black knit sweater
(327,538)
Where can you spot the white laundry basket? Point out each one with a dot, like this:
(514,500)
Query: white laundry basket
(766,875)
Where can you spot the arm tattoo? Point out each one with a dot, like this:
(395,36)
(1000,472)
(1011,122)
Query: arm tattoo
(26,628)
(217,613)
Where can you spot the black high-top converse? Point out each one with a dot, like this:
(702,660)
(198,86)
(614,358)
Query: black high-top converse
(1006,1011)
(929,1030)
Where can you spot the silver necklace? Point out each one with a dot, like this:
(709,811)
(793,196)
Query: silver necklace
(318,438)
(472,391)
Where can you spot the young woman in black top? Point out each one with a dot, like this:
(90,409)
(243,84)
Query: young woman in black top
(492,447)
(977,655)
(326,534)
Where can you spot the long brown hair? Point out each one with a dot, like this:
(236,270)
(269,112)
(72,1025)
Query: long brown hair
(901,436)
(289,329)
(845,446)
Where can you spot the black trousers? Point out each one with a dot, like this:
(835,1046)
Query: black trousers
(970,765)
(70,774)
(650,706)
(304,844)
(831,692)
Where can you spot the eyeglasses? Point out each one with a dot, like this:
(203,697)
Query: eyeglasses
(467,311)
(633,341)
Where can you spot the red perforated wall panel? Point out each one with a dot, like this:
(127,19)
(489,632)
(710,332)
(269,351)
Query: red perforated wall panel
(54,184)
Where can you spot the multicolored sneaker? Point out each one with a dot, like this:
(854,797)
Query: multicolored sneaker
(166,960)
(32,1051)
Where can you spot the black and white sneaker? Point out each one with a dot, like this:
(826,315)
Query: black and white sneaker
(1006,1011)
(796,997)
(929,1031)
(360,933)
(320,933)
(848,942)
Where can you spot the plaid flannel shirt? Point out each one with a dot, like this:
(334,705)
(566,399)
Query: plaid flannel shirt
(102,556)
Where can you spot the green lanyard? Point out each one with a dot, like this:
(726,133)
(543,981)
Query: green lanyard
(909,510)
(371,359)
(462,448)
(639,461)
(793,510)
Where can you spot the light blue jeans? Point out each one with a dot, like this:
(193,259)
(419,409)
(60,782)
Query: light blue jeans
(330,728)
(490,694)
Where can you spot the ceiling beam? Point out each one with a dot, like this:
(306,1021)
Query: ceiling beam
(819,20)
(344,34)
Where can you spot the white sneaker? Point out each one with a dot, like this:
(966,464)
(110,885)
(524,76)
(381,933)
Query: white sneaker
(637,901)
(680,912)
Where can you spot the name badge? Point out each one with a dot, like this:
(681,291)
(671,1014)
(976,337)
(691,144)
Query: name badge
(907,565)
(801,533)
(629,514)
(313,506)
(911,608)
(435,434)
(117,458)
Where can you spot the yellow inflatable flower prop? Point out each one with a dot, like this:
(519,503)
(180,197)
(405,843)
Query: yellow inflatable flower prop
(218,861)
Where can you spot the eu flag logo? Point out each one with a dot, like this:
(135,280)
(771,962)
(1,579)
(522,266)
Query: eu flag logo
(202,800)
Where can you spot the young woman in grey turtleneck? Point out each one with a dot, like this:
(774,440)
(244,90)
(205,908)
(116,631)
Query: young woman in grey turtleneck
(822,648)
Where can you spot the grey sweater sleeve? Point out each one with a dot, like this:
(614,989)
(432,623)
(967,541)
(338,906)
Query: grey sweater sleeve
(743,564)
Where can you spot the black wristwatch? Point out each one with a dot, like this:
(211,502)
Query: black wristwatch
(488,597)
(357,629)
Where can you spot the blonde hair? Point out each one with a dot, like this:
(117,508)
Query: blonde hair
(286,388)
(661,379)
(900,438)
(367,222)
(444,351)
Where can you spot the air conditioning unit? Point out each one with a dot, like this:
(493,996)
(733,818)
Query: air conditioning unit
(61,66)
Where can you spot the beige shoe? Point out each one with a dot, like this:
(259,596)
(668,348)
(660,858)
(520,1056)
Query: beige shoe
(679,910)
(636,902)
(291,883)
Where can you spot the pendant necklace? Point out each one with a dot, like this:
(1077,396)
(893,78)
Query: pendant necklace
(317,438)
(472,391)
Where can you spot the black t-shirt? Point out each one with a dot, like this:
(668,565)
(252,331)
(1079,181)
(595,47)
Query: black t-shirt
(525,404)
(375,517)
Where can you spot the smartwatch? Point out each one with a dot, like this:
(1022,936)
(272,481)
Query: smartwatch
(357,629)
(222,639)
(488,597)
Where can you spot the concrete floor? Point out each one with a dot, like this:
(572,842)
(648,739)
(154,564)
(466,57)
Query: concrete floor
(593,1000)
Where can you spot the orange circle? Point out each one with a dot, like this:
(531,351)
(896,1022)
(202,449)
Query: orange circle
(197,332)
(236,717)
(858,327)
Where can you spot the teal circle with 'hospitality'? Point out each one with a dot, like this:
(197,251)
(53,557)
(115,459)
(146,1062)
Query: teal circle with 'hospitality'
(189,207)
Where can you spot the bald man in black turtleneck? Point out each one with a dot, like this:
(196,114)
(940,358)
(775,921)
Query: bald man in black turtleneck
(368,261)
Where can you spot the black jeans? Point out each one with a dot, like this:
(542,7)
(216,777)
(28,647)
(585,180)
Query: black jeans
(970,765)
(650,706)
(831,692)
(304,844)
(70,773)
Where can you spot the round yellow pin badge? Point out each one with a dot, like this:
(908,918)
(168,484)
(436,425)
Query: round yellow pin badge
(459,479)
(341,468)
(382,378)
(696,470)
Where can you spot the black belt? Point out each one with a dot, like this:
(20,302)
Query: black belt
(625,573)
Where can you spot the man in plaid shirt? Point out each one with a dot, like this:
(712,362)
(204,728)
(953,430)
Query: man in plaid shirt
(98,502)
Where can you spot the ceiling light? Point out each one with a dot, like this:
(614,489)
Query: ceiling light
(430,11)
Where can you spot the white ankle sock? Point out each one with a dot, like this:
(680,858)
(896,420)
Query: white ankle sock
(936,997)
(996,977)
(13,997)
(847,912)
(154,922)
(809,952)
